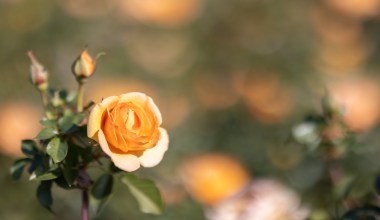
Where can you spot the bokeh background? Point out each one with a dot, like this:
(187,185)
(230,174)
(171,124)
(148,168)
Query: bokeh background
(229,77)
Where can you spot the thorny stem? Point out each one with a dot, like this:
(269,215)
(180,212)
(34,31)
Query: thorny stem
(80,96)
(84,204)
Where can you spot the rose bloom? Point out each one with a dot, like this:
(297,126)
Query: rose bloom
(263,199)
(128,130)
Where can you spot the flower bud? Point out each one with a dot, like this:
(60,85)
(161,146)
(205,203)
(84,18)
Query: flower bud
(38,74)
(84,66)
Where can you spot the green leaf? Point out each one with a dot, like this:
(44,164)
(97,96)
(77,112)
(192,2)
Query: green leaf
(78,118)
(44,194)
(71,166)
(46,133)
(28,147)
(57,149)
(96,205)
(66,122)
(47,123)
(18,167)
(102,187)
(43,177)
(42,174)
(146,193)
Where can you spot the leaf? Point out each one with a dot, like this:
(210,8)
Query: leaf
(78,118)
(102,187)
(96,205)
(28,147)
(43,177)
(66,122)
(57,149)
(70,168)
(47,123)
(42,174)
(46,133)
(44,194)
(18,167)
(146,193)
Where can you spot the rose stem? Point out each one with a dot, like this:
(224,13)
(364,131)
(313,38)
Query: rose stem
(84,204)
(45,99)
(80,96)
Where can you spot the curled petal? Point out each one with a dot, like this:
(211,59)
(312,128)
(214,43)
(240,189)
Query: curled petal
(142,100)
(127,162)
(96,115)
(151,157)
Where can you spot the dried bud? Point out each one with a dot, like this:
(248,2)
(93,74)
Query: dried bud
(84,66)
(38,73)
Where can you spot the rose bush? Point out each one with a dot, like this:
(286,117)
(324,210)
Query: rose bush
(127,127)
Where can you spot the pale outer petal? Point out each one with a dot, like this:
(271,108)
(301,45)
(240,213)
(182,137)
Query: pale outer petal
(95,118)
(126,162)
(141,99)
(153,156)
(155,110)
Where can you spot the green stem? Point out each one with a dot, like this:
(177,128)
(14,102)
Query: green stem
(80,97)
(45,99)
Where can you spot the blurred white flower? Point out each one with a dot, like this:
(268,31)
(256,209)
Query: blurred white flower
(262,200)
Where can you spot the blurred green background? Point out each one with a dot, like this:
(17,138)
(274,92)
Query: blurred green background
(228,76)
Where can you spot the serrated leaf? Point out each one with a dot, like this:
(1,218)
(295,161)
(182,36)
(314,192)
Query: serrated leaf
(146,193)
(46,133)
(102,187)
(28,147)
(44,194)
(57,149)
(18,167)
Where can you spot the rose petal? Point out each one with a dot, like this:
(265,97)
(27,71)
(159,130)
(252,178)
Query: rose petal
(153,156)
(135,97)
(127,162)
(142,99)
(153,107)
(95,118)
(103,143)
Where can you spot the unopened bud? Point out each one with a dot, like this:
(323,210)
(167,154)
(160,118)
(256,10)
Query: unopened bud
(38,73)
(84,66)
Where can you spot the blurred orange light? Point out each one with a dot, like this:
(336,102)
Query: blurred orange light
(360,100)
(215,91)
(18,121)
(334,59)
(356,8)
(24,16)
(211,178)
(161,12)
(266,98)
(333,29)
(84,8)
(159,53)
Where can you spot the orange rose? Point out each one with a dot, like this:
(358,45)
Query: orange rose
(127,128)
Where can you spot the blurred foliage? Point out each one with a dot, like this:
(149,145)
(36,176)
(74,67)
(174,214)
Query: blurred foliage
(201,64)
